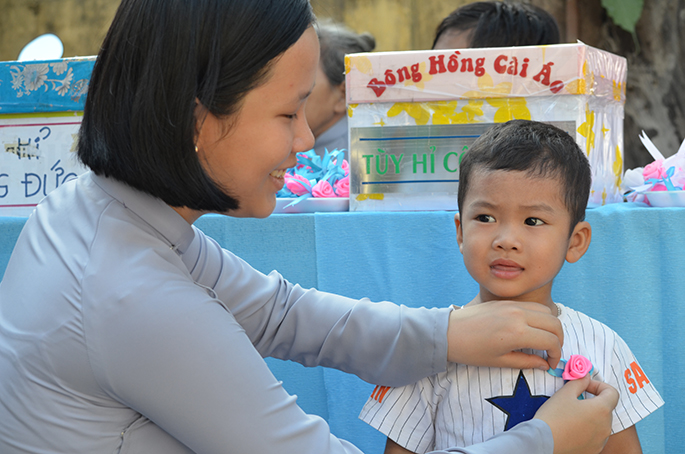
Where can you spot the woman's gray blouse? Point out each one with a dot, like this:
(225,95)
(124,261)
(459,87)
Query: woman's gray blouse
(123,329)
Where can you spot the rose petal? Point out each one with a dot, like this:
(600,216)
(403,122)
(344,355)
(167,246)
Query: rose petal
(323,189)
(577,367)
(342,187)
(297,184)
(654,170)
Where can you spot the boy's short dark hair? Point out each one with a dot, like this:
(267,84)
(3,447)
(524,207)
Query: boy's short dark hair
(502,24)
(159,58)
(540,150)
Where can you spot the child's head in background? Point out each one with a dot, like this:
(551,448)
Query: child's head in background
(523,190)
(496,24)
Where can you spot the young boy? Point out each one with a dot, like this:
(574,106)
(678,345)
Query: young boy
(523,189)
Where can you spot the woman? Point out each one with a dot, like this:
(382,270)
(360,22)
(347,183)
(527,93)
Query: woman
(123,329)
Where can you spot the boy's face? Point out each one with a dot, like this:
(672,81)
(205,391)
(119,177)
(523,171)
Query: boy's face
(514,235)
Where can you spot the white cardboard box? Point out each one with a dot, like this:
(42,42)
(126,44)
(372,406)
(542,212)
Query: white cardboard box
(412,115)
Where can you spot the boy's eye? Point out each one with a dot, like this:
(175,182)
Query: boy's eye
(485,218)
(534,221)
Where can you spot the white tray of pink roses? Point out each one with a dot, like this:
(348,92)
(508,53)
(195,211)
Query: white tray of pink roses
(660,183)
(316,184)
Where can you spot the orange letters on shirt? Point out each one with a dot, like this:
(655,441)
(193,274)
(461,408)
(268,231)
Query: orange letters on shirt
(639,380)
(379,393)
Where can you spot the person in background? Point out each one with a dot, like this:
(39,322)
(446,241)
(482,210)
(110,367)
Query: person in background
(523,190)
(496,24)
(326,108)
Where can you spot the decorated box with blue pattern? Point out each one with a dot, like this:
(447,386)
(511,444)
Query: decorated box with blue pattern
(41,106)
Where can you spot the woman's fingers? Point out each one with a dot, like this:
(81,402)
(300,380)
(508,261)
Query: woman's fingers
(605,393)
(580,426)
(520,360)
(489,334)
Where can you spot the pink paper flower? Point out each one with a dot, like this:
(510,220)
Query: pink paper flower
(345,165)
(577,367)
(323,189)
(297,184)
(654,170)
(342,186)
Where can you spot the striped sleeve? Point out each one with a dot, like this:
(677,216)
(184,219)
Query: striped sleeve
(406,414)
(639,397)
(617,367)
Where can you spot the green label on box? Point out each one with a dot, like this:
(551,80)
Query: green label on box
(413,159)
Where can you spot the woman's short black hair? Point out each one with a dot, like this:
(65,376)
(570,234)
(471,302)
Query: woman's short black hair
(161,57)
(538,149)
(501,24)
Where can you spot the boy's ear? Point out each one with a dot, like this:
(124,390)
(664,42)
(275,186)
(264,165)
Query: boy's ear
(579,241)
(460,234)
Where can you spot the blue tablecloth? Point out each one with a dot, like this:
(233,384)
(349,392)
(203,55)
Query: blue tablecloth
(632,278)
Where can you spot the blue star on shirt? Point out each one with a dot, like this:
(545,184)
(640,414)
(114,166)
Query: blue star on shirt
(520,406)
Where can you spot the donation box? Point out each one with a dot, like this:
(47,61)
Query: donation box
(413,115)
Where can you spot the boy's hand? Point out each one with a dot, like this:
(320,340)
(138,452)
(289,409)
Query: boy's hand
(580,426)
(487,334)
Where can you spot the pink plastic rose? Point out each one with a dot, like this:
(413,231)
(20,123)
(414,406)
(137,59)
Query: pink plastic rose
(345,165)
(577,367)
(342,187)
(297,184)
(654,170)
(323,189)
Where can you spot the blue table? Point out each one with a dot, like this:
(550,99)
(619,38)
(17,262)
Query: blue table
(632,278)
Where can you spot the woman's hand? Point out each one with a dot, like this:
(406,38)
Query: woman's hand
(487,334)
(580,426)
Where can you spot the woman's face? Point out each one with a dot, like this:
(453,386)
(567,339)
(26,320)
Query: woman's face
(248,153)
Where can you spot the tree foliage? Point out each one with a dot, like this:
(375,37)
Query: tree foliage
(624,13)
